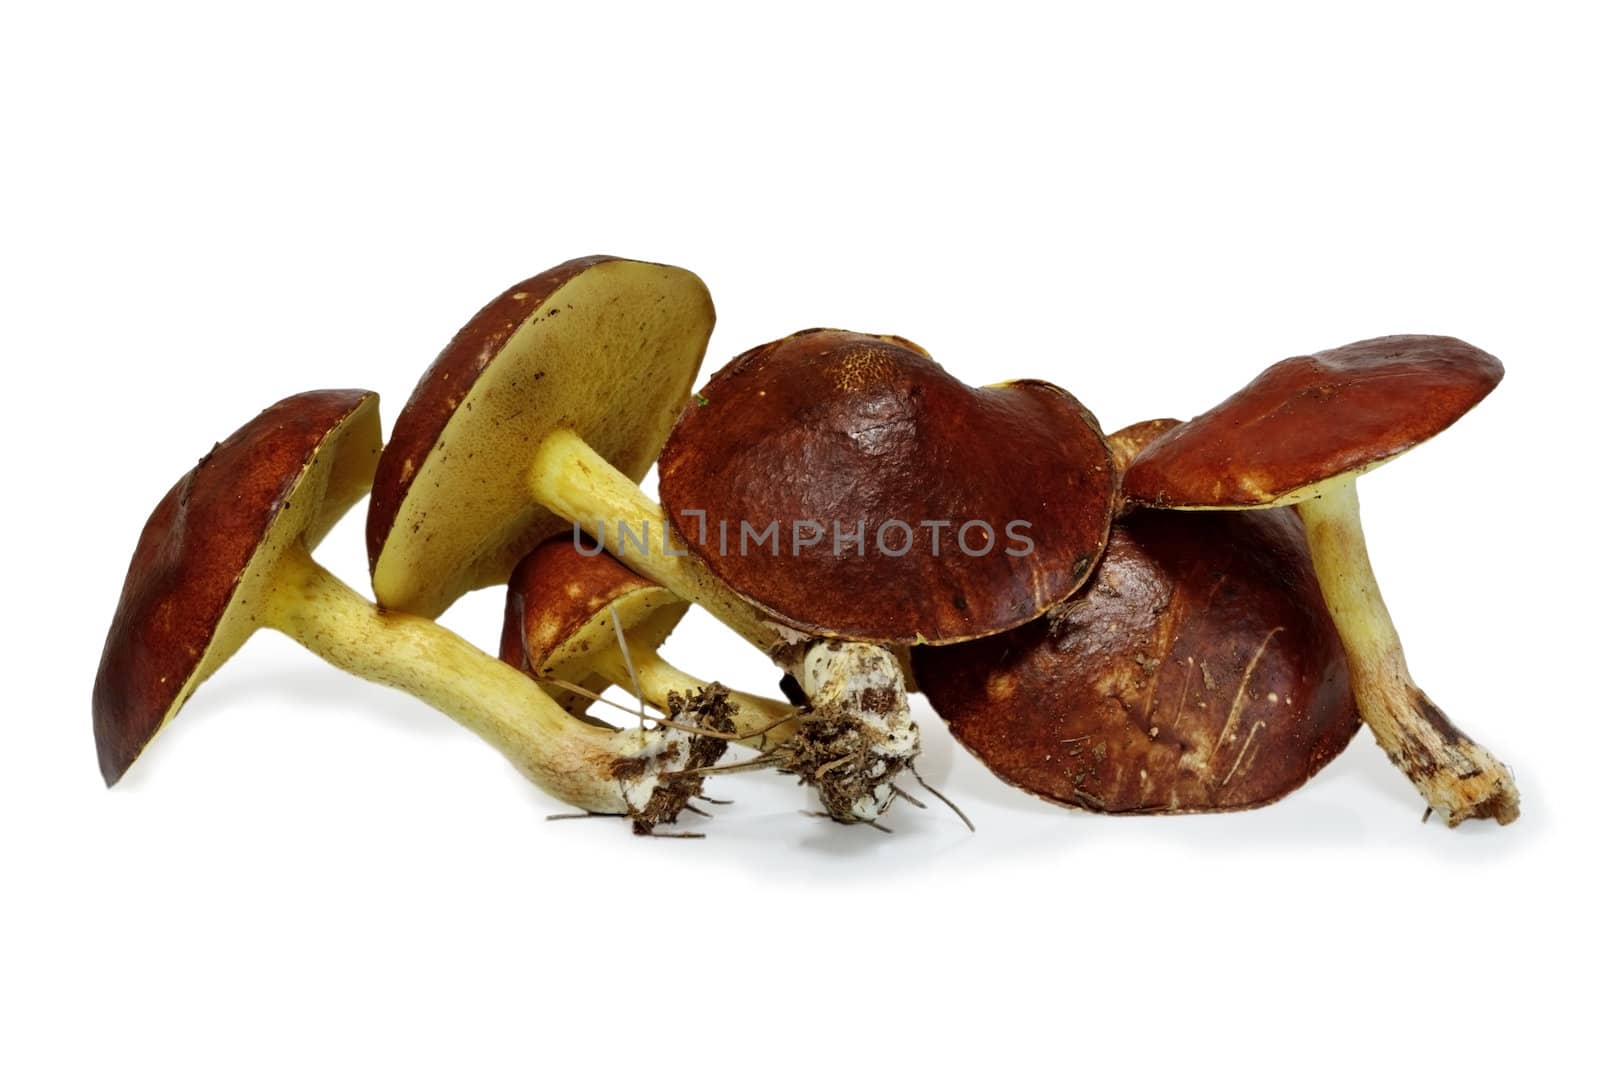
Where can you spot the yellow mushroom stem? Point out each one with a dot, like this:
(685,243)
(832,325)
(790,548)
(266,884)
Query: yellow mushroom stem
(593,768)
(573,480)
(761,723)
(1456,776)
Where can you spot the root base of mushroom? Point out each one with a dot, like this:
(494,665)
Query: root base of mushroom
(660,787)
(1456,776)
(859,736)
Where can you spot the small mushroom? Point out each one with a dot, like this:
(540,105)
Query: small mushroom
(228,551)
(563,604)
(1299,435)
(1198,671)
(846,484)
(543,412)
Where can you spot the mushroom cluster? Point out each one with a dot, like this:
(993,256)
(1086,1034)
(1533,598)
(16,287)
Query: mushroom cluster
(1179,617)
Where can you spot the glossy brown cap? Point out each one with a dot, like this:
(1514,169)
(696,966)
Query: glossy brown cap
(193,590)
(851,431)
(558,615)
(608,348)
(1199,671)
(1311,418)
(1127,442)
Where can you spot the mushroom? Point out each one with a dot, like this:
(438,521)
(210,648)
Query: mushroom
(908,508)
(563,604)
(1299,435)
(1197,671)
(597,354)
(981,507)
(228,551)
(1127,442)
(544,411)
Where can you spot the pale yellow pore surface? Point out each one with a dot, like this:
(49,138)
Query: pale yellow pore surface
(572,761)
(648,616)
(591,658)
(1457,777)
(335,479)
(610,356)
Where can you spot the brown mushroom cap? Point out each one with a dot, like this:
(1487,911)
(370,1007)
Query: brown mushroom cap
(558,614)
(207,555)
(1199,671)
(608,348)
(1311,418)
(1127,442)
(841,428)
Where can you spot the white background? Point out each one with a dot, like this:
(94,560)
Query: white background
(205,209)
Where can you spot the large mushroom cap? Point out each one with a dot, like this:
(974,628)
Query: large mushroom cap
(1311,418)
(206,557)
(608,348)
(1199,671)
(849,431)
(558,615)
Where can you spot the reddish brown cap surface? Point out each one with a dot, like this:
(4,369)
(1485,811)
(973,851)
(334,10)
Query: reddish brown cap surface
(1199,671)
(851,431)
(606,347)
(1129,441)
(286,475)
(558,613)
(1314,417)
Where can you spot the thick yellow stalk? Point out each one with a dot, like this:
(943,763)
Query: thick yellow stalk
(574,762)
(572,480)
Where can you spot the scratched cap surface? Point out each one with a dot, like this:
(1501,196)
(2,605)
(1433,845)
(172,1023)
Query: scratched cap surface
(1199,671)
